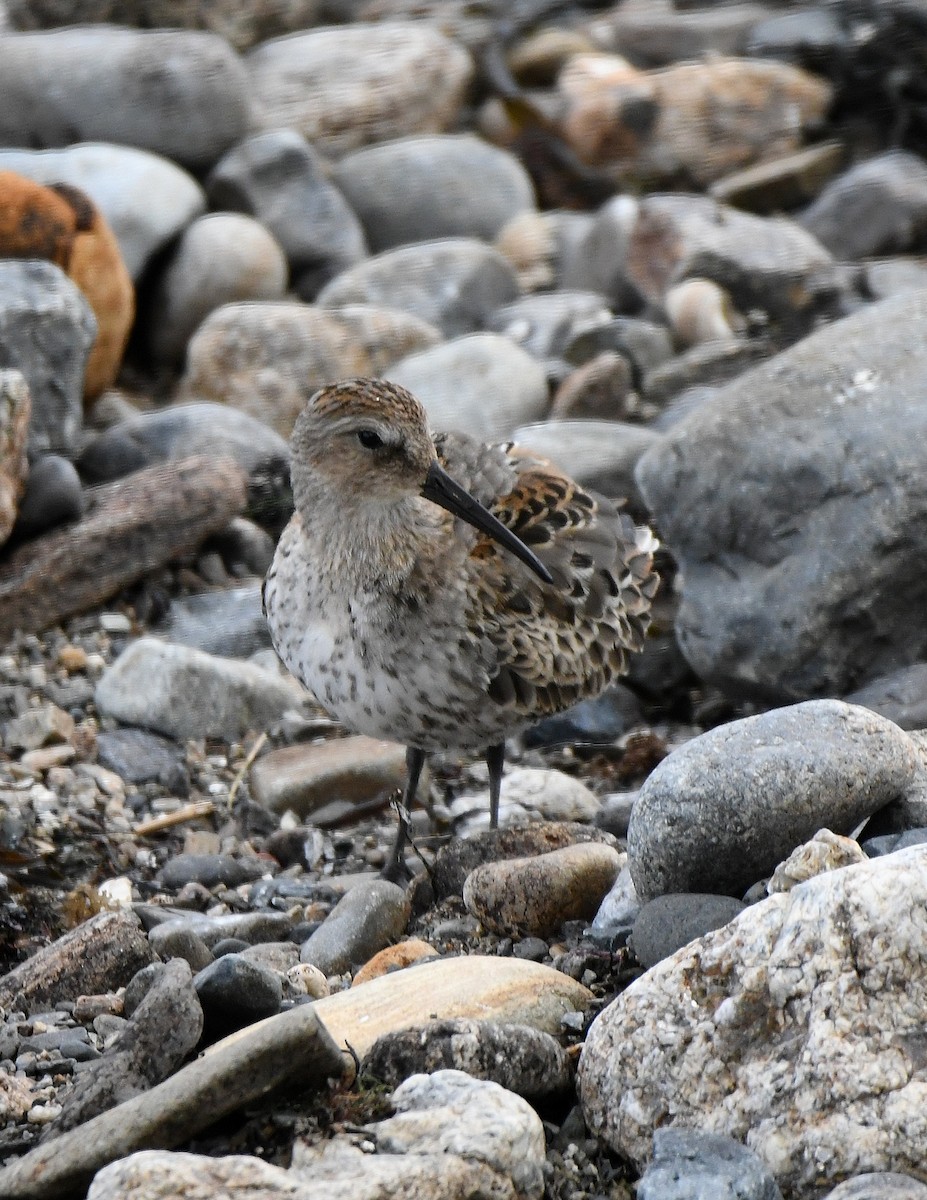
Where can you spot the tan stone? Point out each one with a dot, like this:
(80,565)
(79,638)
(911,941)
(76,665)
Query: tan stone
(15,409)
(394,958)
(507,990)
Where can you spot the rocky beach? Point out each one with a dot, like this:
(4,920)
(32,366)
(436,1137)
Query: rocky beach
(681,250)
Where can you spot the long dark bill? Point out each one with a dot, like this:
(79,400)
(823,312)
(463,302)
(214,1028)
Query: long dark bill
(440,489)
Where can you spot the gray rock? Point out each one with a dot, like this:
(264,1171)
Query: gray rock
(706,365)
(766,262)
(452,283)
(279,179)
(180,94)
(545,324)
(617,912)
(236,992)
(541,246)
(800,559)
(239,24)
(602,455)
(344,87)
(186,693)
(161,1032)
(294,1047)
(210,870)
(655,37)
(900,696)
(725,808)
(643,343)
(184,943)
(220,258)
(615,813)
(523,1060)
(668,922)
(228,623)
(885,277)
(46,331)
(794,36)
(198,428)
(416,188)
(598,261)
(146,199)
(693,1164)
(595,722)
(52,497)
(482,384)
(876,207)
(138,756)
(370,916)
(251,927)
(880,1185)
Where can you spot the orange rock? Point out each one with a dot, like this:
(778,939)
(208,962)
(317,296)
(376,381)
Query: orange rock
(61,224)
(404,954)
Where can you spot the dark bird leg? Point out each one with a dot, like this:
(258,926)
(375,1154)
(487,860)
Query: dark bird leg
(495,759)
(395,869)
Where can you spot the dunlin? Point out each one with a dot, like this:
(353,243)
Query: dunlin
(444,593)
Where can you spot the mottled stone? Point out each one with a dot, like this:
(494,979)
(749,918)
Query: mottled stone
(537,895)
(345,87)
(809,1002)
(690,1163)
(266,359)
(304,778)
(15,409)
(531,793)
(724,809)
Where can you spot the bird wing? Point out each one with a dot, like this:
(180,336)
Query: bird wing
(553,644)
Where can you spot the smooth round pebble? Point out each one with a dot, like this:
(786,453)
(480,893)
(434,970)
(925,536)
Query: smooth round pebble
(537,895)
(235,992)
(53,496)
(394,958)
(726,808)
(222,258)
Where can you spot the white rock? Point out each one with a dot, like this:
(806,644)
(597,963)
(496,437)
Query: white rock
(529,793)
(797,1029)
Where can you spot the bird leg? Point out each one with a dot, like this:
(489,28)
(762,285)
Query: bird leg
(395,870)
(495,759)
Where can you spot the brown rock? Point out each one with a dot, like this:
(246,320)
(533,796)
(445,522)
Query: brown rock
(599,389)
(694,121)
(457,859)
(304,778)
(100,955)
(61,224)
(537,895)
(394,958)
(781,184)
(132,527)
(15,409)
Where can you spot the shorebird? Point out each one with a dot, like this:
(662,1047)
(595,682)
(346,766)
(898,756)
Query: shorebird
(444,593)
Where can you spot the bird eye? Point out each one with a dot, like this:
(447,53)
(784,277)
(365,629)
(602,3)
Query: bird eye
(369,439)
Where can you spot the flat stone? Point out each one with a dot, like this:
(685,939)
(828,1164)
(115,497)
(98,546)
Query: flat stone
(304,778)
(690,1162)
(668,922)
(452,283)
(535,792)
(505,990)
